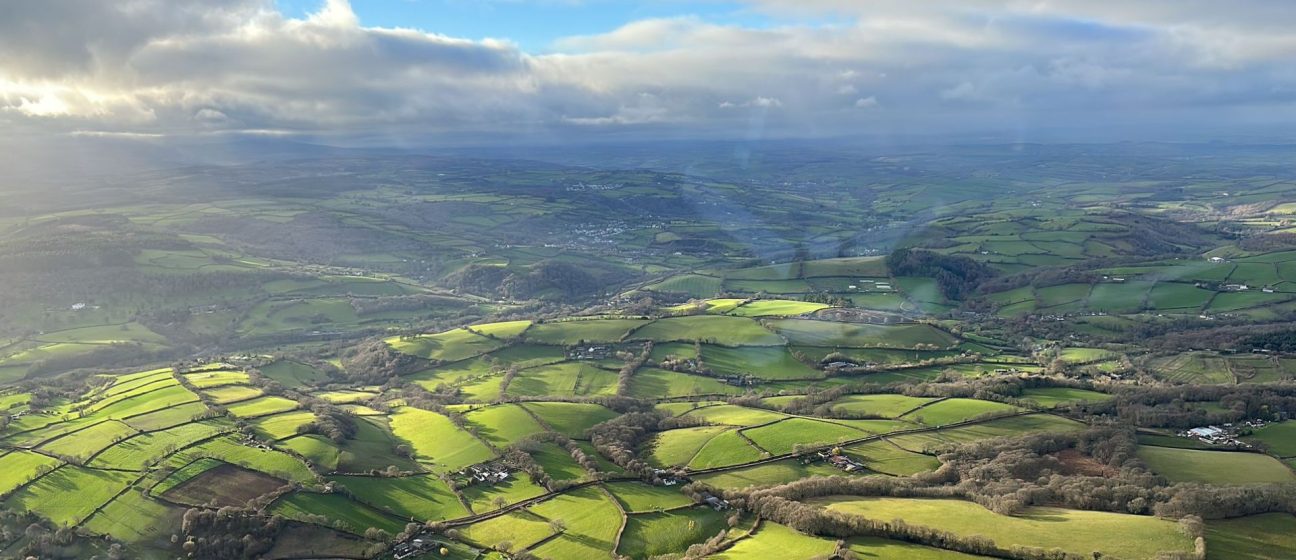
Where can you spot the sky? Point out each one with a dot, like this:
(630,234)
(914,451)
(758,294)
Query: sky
(401,72)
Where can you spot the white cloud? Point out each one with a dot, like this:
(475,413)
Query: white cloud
(152,67)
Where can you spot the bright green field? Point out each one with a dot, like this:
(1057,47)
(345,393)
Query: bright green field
(503,425)
(638,497)
(207,379)
(651,382)
(717,329)
(829,334)
(226,394)
(70,494)
(262,406)
(1048,397)
(776,307)
(886,406)
(950,411)
(571,379)
(135,518)
(886,458)
(765,475)
(1076,531)
(592,522)
(280,426)
(437,440)
(571,332)
(85,443)
(734,415)
(782,437)
(652,534)
(1271,536)
(778,542)
(449,346)
(727,448)
(1279,438)
(1216,467)
(18,467)
(570,419)
(423,497)
(137,452)
(507,329)
(355,517)
(866,548)
(677,447)
(764,362)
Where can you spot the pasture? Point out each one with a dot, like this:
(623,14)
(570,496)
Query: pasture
(1278,439)
(422,498)
(1076,531)
(653,534)
(1270,536)
(828,334)
(1214,467)
(772,541)
(436,440)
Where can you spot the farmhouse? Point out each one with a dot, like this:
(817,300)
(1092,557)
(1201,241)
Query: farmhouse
(486,473)
(599,352)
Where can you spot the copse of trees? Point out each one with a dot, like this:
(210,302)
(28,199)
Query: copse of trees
(374,362)
(956,276)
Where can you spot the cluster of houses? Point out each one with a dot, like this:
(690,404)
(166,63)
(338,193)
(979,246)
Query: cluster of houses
(836,458)
(597,352)
(485,473)
(664,477)
(415,547)
(1225,434)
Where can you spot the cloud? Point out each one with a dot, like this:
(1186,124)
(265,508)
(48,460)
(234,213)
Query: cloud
(212,67)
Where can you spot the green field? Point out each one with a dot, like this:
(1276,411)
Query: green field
(648,535)
(771,362)
(570,419)
(503,425)
(887,458)
(727,448)
(353,517)
(778,542)
(1215,467)
(450,346)
(263,406)
(592,522)
(421,498)
(851,335)
(437,440)
(568,333)
(637,497)
(774,307)
(678,447)
(1048,397)
(886,406)
(133,517)
(780,472)
(784,436)
(19,467)
(1075,531)
(70,494)
(950,411)
(734,415)
(713,329)
(1279,439)
(1270,536)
